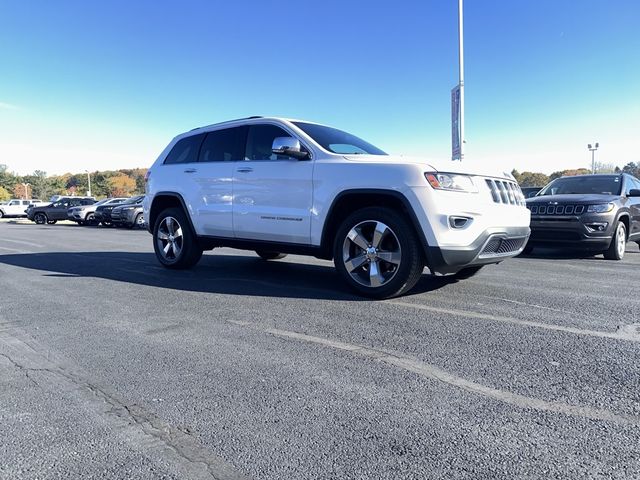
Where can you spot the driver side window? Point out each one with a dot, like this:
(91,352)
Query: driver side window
(260,140)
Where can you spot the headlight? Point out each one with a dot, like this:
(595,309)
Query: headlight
(600,208)
(126,209)
(451,181)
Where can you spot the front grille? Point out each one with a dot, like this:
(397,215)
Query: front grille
(503,246)
(505,191)
(554,235)
(564,209)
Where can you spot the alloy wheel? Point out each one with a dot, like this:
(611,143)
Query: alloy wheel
(170,239)
(621,238)
(371,253)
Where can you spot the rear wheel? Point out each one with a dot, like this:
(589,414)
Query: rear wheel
(90,219)
(40,218)
(174,242)
(618,243)
(267,255)
(1,214)
(377,253)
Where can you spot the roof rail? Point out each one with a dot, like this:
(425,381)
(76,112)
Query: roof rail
(228,121)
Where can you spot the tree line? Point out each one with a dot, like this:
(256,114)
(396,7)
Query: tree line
(110,183)
(537,179)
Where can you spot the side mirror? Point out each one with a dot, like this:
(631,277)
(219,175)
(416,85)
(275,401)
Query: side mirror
(288,146)
(634,193)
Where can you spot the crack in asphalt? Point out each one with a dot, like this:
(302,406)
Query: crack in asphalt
(181,443)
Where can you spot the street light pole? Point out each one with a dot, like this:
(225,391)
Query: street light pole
(592,149)
(89,181)
(461,73)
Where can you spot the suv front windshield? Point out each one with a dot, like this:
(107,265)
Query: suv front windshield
(599,185)
(337,141)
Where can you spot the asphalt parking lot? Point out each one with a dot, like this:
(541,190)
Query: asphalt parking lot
(113,367)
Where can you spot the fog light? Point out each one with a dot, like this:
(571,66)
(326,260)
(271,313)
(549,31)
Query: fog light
(459,222)
(596,226)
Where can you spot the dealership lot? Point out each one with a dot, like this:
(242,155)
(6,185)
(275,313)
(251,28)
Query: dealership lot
(113,367)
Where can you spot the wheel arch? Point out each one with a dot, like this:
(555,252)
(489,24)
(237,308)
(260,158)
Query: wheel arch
(348,201)
(625,218)
(164,200)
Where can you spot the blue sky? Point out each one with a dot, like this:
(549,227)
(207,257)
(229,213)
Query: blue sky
(89,85)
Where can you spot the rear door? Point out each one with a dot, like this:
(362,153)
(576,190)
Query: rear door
(272,194)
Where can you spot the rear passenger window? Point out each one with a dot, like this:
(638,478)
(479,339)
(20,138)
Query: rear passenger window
(186,150)
(223,145)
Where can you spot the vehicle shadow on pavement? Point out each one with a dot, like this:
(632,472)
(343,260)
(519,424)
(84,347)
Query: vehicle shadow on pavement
(569,254)
(222,274)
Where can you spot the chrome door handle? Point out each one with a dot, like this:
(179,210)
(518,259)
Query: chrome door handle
(190,170)
(245,170)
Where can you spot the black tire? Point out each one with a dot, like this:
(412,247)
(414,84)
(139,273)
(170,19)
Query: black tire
(527,249)
(468,272)
(1,214)
(40,218)
(106,224)
(52,222)
(80,222)
(90,219)
(267,255)
(383,238)
(618,243)
(175,251)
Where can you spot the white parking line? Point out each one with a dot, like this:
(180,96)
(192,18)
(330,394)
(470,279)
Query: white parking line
(22,242)
(621,334)
(435,373)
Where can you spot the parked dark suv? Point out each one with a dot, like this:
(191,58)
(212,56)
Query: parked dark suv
(599,213)
(57,210)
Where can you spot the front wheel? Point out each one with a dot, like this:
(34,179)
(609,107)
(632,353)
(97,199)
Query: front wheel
(1,214)
(90,220)
(139,221)
(174,242)
(40,218)
(267,255)
(377,253)
(618,243)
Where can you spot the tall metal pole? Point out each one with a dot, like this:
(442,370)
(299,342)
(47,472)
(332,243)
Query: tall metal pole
(89,180)
(461,72)
(592,149)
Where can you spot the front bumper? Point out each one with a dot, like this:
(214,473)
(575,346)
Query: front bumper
(579,232)
(492,246)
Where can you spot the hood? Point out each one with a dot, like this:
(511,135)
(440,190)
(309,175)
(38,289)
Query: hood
(434,165)
(591,198)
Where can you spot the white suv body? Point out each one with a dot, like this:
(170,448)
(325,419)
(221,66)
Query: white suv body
(17,207)
(242,190)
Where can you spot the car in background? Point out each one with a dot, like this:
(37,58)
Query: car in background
(530,192)
(17,207)
(102,214)
(599,213)
(85,214)
(129,214)
(57,210)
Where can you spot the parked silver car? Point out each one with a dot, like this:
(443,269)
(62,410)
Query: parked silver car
(85,214)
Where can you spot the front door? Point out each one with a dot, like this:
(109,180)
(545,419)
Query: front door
(272,194)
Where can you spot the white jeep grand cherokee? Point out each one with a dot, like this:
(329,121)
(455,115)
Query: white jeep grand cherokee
(281,186)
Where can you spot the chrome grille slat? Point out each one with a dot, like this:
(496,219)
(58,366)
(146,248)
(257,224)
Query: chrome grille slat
(505,191)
